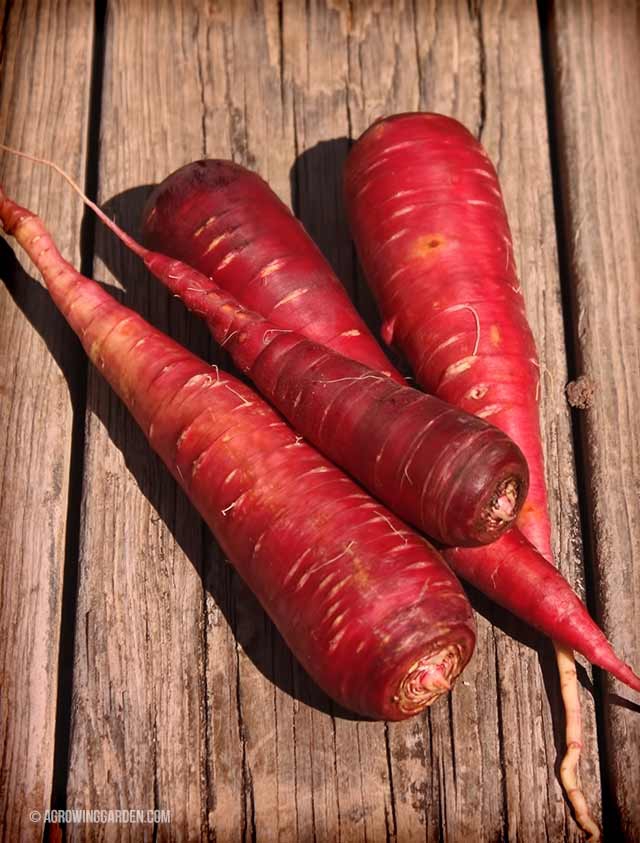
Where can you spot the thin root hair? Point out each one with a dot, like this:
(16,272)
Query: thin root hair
(122,235)
(365,376)
(274,331)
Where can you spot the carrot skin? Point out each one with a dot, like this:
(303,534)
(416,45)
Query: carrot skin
(226,221)
(452,475)
(368,607)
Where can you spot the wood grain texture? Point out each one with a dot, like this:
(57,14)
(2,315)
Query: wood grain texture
(45,68)
(479,63)
(185,697)
(139,732)
(595,68)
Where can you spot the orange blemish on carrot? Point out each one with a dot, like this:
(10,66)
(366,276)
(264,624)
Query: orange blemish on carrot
(427,245)
(94,351)
(495,336)
(528,511)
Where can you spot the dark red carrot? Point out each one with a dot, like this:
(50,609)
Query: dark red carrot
(457,478)
(367,606)
(431,230)
(227,222)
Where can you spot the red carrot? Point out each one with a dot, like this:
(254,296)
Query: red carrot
(485,566)
(367,606)
(431,230)
(182,196)
(226,221)
(432,234)
(457,478)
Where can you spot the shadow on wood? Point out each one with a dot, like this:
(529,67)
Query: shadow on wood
(318,200)
(35,303)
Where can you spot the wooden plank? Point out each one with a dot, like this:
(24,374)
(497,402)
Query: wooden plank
(490,764)
(162,663)
(517,141)
(140,735)
(268,745)
(45,70)
(595,66)
(387,65)
(316,71)
(260,137)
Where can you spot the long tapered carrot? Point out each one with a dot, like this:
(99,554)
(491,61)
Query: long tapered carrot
(431,230)
(368,607)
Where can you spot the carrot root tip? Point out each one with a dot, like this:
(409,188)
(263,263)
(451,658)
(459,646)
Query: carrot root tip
(429,678)
(503,506)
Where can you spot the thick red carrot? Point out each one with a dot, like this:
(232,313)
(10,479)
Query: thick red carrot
(227,222)
(431,230)
(367,606)
(457,478)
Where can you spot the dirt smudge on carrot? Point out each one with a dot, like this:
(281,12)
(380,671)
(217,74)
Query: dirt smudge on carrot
(427,245)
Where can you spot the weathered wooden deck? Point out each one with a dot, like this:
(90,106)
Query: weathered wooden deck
(137,671)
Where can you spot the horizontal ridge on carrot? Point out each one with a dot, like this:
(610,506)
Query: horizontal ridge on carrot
(368,607)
